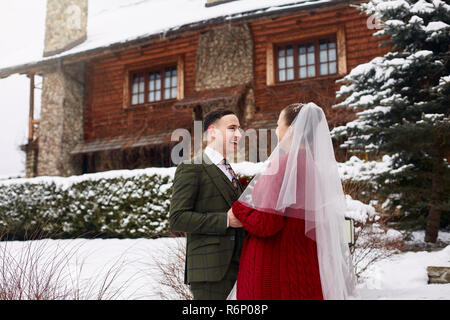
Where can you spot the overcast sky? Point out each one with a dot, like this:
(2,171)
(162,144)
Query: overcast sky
(22,24)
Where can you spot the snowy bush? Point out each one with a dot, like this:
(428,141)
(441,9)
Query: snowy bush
(373,239)
(119,207)
(132,207)
(113,204)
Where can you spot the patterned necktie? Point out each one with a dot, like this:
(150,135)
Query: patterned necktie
(234,181)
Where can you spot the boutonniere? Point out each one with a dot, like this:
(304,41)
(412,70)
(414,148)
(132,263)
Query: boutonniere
(244,181)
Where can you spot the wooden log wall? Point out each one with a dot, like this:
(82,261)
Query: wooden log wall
(105,115)
(360,47)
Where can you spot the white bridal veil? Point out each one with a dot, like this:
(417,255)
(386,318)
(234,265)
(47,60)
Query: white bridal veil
(302,181)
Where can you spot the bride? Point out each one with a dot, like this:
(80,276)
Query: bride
(294,215)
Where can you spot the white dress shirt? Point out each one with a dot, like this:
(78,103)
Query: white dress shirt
(216,158)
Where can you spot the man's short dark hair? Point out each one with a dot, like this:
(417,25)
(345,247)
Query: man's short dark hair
(214,115)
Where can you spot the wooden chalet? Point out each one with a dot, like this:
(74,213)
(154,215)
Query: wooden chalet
(115,105)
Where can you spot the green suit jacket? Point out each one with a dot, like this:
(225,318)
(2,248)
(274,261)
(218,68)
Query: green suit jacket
(202,195)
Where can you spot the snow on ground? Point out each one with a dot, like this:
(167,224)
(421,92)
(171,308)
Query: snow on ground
(132,265)
(418,236)
(402,276)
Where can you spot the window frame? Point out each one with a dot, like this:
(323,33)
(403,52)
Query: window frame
(295,47)
(336,32)
(146,72)
(151,66)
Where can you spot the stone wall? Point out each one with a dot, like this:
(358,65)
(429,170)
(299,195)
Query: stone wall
(224,57)
(30,163)
(61,126)
(65,25)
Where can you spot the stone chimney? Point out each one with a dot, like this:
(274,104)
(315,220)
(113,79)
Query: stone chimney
(63,90)
(65,25)
(210,3)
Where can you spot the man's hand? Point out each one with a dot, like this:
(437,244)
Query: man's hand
(234,222)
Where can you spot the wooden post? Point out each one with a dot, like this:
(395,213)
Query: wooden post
(180,78)
(31,115)
(270,76)
(341,50)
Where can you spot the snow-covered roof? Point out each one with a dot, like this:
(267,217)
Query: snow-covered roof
(115,22)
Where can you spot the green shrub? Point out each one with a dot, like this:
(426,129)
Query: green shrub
(118,207)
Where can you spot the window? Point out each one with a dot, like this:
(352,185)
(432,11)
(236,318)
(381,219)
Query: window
(285,63)
(327,57)
(153,81)
(138,89)
(313,49)
(306,59)
(154,85)
(170,85)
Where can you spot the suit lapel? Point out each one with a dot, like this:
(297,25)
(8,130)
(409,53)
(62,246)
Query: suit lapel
(220,180)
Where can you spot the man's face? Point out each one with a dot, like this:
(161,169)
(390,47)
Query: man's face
(226,135)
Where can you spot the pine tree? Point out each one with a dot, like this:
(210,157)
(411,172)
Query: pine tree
(403,103)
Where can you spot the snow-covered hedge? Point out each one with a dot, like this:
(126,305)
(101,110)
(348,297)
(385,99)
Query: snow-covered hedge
(119,203)
(113,204)
(120,207)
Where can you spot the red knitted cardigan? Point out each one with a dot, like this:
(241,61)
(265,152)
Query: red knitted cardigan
(278,262)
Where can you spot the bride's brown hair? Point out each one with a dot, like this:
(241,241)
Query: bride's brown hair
(291,111)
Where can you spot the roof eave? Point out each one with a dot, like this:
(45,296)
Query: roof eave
(37,67)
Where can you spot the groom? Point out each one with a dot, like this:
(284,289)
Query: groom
(203,191)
